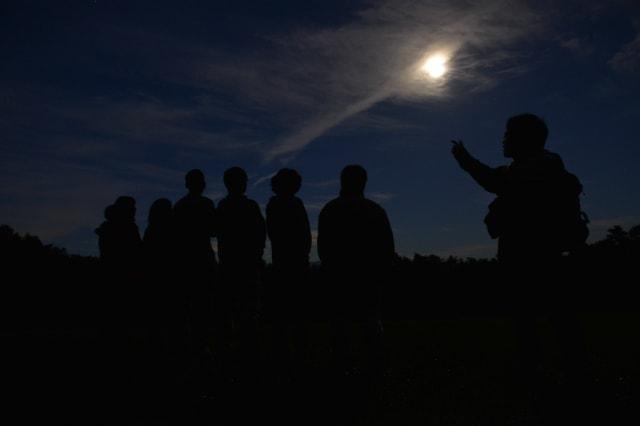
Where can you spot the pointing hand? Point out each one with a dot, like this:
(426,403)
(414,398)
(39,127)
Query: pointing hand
(459,151)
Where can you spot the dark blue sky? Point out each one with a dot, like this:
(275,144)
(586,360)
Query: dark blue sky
(100,99)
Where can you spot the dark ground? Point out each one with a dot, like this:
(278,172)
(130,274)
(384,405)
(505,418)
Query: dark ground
(450,350)
(438,372)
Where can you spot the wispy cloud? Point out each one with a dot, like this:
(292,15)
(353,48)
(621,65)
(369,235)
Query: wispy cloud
(578,46)
(264,178)
(334,74)
(99,125)
(305,82)
(627,59)
(323,183)
(382,197)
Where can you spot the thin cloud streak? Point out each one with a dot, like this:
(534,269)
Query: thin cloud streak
(376,58)
(303,83)
(318,126)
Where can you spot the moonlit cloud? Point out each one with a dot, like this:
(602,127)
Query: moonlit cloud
(382,197)
(265,178)
(627,59)
(578,46)
(304,82)
(375,58)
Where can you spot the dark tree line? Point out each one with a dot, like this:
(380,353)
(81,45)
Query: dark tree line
(47,287)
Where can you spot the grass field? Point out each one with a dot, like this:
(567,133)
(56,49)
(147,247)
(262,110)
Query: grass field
(437,372)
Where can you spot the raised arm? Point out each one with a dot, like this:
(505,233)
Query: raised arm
(491,179)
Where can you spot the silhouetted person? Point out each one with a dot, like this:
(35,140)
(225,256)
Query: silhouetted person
(166,316)
(120,244)
(118,236)
(287,222)
(241,241)
(105,232)
(159,247)
(242,232)
(536,217)
(290,235)
(195,221)
(159,240)
(119,240)
(534,193)
(356,248)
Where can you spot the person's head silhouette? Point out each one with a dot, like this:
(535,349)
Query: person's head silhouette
(235,180)
(524,135)
(286,182)
(160,211)
(125,208)
(194,181)
(353,180)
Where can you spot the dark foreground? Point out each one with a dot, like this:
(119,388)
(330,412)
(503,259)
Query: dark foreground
(437,372)
(450,349)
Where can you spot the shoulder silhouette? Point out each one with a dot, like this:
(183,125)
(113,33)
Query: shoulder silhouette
(159,237)
(287,221)
(242,233)
(118,236)
(195,219)
(352,230)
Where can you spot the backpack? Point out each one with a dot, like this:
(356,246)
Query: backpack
(562,216)
(572,222)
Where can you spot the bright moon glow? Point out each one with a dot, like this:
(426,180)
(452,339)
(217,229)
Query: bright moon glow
(435,66)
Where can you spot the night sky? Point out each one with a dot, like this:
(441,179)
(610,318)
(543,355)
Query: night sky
(106,98)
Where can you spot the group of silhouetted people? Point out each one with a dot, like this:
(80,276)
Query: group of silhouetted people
(212,307)
(203,307)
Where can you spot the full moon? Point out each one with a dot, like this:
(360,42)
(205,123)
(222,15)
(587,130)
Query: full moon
(435,66)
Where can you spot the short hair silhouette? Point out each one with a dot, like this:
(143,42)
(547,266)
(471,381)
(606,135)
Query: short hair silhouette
(194,181)
(125,207)
(529,131)
(235,180)
(160,210)
(353,179)
(125,201)
(286,182)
